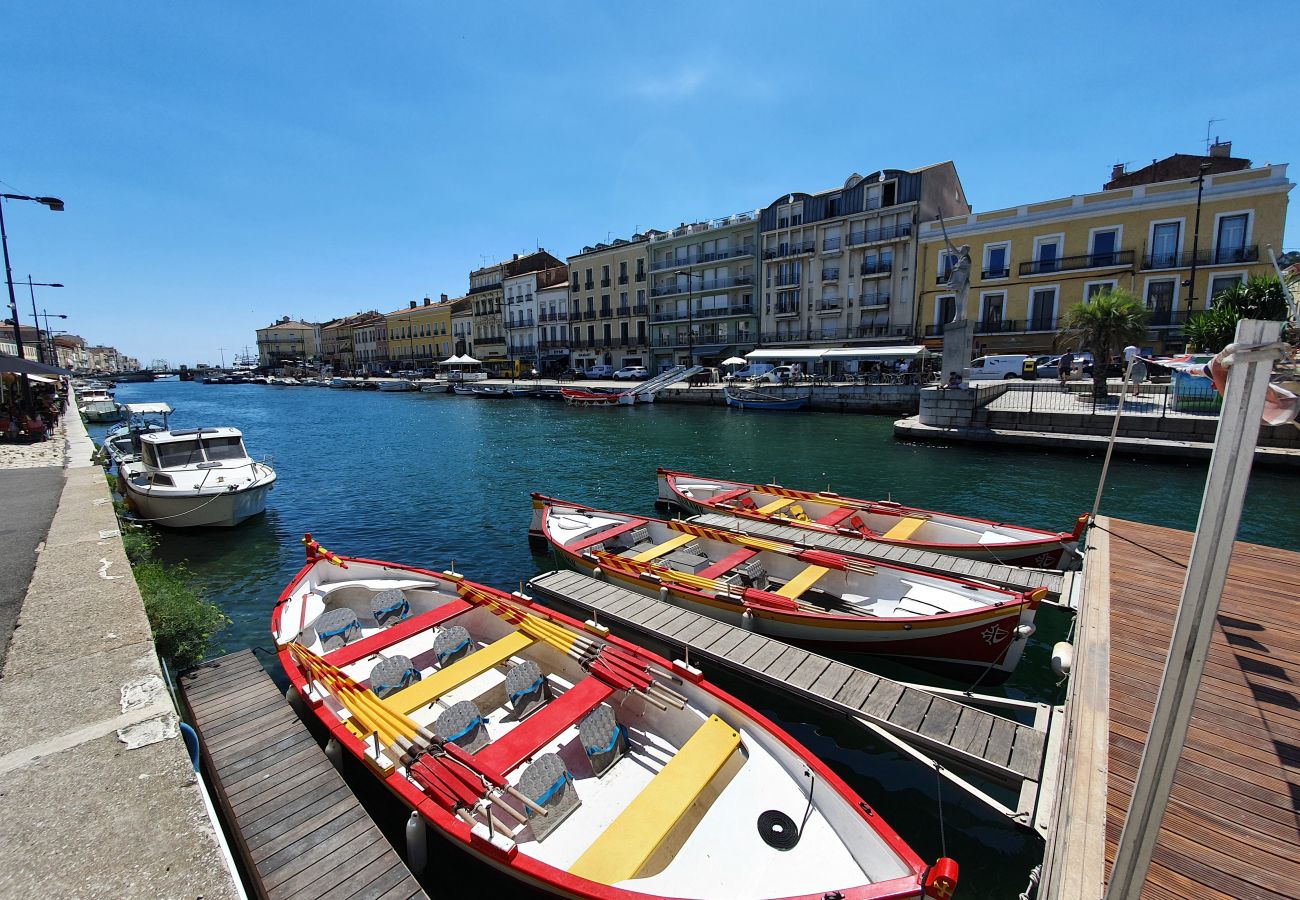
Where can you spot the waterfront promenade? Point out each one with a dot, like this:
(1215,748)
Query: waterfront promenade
(97,794)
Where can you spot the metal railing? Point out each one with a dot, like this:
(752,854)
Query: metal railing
(1045,395)
(695,259)
(797,248)
(1215,257)
(1004,272)
(829,304)
(1168,318)
(831,274)
(786,309)
(830,244)
(885,233)
(874,298)
(717,284)
(876,267)
(1074,263)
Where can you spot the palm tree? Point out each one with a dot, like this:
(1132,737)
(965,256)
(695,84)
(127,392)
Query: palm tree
(1105,325)
(1260,298)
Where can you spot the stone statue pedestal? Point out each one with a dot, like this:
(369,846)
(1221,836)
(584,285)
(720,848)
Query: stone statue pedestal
(958,344)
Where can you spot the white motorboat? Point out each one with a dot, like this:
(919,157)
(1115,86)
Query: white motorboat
(194,477)
(122,442)
(98,405)
(396,384)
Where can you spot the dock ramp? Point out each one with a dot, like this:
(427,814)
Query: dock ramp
(646,390)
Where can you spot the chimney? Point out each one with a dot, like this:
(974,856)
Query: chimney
(1220,148)
(1116,171)
(427,301)
(443,298)
(412,304)
(515,257)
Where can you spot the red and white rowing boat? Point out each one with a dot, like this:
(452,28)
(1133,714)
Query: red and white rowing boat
(878,520)
(809,597)
(572,760)
(579,397)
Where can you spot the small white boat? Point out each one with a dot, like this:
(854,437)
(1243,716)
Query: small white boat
(340,382)
(98,405)
(194,477)
(122,442)
(435,386)
(396,384)
(569,759)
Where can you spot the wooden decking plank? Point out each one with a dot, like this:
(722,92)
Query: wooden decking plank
(619,603)
(694,629)
(829,682)
(882,699)
(856,689)
(237,704)
(706,639)
(747,648)
(254,780)
(789,660)
(263,715)
(274,818)
(678,627)
(972,732)
(300,872)
(214,680)
(911,708)
(286,840)
(1001,738)
(395,877)
(663,616)
(764,655)
(236,761)
(941,719)
(369,861)
(1027,752)
(241,741)
(808,671)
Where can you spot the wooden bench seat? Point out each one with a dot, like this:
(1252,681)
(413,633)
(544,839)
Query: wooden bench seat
(505,753)
(726,496)
(430,688)
(605,535)
(376,643)
(727,563)
(663,549)
(775,506)
(904,528)
(799,584)
(631,839)
(836,516)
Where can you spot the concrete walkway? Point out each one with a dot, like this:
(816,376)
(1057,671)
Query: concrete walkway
(31,479)
(97,795)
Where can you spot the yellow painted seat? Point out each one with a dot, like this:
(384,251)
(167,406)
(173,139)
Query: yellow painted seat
(795,587)
(630,840)
(798,512)
(430,688)
(776,506)
(904,528)
(663,549)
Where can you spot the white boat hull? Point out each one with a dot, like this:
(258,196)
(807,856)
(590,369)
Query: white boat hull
(223,509)
(101,411)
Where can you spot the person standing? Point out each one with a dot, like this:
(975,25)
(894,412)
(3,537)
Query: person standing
(1064,367)
(1135,370)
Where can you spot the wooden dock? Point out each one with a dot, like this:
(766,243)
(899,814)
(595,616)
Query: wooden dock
(995,747)
(299,828)
(1011,577)
(1231,829)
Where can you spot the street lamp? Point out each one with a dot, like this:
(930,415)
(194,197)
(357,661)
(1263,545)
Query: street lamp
(690,312)
(55,205)
(31,286)
(1196,234)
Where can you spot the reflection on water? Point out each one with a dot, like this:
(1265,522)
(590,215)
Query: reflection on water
(431,479)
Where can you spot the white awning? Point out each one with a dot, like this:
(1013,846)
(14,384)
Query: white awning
(794,354)
(148,409)
(871,352)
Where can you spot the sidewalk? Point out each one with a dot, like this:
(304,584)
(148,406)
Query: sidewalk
(97,794)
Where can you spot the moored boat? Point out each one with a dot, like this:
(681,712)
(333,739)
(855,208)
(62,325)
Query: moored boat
(98,405)
(490,392)
(809,597)
(396,384)
(745,398)
(579,397)
(122,441)
(877,520)
(464,390)
(194,477)
(567,758)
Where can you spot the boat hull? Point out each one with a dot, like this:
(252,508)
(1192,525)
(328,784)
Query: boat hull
(101,412)
(1043,551)
(218,510)
(575,397)
(782,405)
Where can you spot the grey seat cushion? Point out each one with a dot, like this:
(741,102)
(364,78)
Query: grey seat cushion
(335,627)
(547,783)
(451,644)
(602,737)
(463,725)
(389,606)
(391,674)
(527,688)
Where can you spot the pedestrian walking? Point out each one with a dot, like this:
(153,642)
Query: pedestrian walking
(1064,367)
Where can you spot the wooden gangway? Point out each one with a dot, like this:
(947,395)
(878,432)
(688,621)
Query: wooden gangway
(995,747)
(1231,829)
(1016,579)
(299,829)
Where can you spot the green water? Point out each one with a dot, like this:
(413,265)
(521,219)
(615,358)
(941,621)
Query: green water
(428,479)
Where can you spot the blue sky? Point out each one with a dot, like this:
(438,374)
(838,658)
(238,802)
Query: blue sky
(227,163)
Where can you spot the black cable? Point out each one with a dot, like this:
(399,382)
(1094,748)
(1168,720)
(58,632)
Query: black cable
(938,779)
(1181,565)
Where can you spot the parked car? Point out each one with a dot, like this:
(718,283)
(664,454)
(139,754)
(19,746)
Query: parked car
(600,371)
(777,375)
(751,371)
(632,373)
(1002,366)
(1047,366)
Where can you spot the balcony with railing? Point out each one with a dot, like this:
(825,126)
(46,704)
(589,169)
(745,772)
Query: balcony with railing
(522,323)
(622,279)
(1004,272)
(786,309)
(589,314)
(829,305)
(710,313)
(604,282)
(494,286)
(785,280)
(872,267)
(640,309)
(561,316)
(877,330)
(1219,256)
(589,284)
(701,287)
(873,298)
(796,248)
(697,259)
(1111,260)
(710,225)
(831,273)
(624,311)
(606,312)
(830,244)
(640,276)
(885,233)
(553,345)
(1168,318)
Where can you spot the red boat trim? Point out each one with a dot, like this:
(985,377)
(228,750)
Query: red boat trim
(505,753)
(346,655)
(606,535)
(727,563)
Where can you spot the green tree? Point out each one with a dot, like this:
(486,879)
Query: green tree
(1209,331)
(1106,324)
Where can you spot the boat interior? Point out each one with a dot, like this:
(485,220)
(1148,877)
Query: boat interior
(626,779)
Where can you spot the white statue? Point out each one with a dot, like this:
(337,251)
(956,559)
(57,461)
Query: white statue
(959,278)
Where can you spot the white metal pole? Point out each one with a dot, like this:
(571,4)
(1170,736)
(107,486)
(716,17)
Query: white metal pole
(1216,529)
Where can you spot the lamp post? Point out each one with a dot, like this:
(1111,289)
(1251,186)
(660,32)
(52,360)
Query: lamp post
(55,205)
(31,290)
(690,312)
(1196,234)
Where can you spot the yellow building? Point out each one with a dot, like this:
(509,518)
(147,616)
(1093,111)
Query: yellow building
(287,341)
(1030,263)
(419,336)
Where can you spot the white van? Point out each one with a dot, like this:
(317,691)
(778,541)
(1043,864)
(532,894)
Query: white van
(600,371)
(753,370)
(997,368)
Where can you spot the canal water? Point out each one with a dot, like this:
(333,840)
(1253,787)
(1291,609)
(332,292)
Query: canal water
(430,480)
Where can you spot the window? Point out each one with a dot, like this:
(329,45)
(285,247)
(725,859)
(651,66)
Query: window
(1221,283)
(1093,288)
(1042,310)
(994,308)
(945,308)
(1105,244)
(1164,245)
(1160,300)
(179,453)
(995,260)
(1230,246)
(1047,254)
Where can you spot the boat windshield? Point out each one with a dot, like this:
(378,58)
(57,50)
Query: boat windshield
(179,453)
(220,448)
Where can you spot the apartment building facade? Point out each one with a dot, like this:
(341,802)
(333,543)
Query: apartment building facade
(523,312)
(462,326)
(419,336)
(553,320)
(1031,263)
(702,291)
(370,343)
(487,293)
(287,340)
(608,304)
(839,266)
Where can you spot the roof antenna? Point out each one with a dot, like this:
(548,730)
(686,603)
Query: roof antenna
(1208,126)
